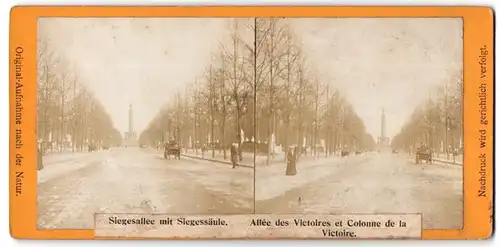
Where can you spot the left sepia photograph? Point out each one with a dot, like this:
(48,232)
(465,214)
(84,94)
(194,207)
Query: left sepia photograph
(143,115)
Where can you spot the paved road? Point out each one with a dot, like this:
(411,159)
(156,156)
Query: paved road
(132,180)
(373,183)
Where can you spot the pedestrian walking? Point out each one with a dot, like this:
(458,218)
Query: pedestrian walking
(234,155)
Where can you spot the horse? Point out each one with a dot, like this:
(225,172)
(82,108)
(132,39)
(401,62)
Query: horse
(172,149)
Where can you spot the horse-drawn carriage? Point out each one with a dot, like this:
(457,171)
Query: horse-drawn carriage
(423,153)
(172,148)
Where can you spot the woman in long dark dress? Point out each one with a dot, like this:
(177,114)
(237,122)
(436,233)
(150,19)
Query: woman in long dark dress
(291,158)
(234,155)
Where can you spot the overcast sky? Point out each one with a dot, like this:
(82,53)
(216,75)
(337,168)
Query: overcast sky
(377,63)
(384,63)
(135,61)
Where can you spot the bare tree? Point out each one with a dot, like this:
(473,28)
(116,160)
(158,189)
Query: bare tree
(437,122)
(260,78)
(239,85)
(275,37)
(211,105)
(290,63)
(300,106)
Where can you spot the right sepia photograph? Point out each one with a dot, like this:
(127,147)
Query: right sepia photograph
(359,116)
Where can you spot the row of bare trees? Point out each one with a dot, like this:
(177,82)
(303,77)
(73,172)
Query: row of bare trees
(438,122)
(260,91)
(69,117)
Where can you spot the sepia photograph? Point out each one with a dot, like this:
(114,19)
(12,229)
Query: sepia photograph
(143,115)
(366,113)
(249,116)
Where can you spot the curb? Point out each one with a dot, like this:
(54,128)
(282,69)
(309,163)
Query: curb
(434,160)
(229,163)
(215,161)
(65,160)
(447,162)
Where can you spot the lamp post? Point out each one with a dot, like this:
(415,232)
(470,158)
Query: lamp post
(454,153)
(73,134)
(169,125)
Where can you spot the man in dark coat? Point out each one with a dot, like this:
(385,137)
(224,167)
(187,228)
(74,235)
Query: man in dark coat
(234,155)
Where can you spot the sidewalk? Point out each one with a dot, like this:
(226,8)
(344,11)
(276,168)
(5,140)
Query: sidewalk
(65,163)
(277,160)
(304,163)
(458,160)
(442,158)
(271,181)
(309,169)
(56,157)
(219,157)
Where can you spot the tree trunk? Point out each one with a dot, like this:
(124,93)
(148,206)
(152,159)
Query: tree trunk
(271,97)
(238,130)
(223,141)
(285,138)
